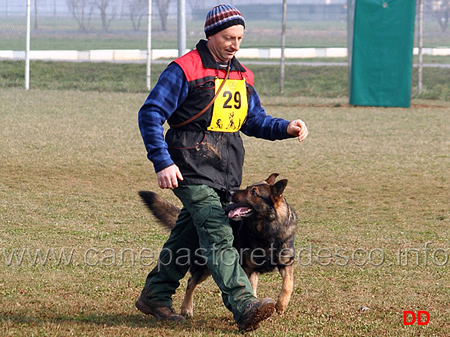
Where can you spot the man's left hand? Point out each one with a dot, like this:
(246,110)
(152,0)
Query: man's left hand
(298,129)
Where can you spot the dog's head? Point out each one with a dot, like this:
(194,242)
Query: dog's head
(259,199)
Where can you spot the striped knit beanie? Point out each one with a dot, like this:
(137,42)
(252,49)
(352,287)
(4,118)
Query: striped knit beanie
(222,17)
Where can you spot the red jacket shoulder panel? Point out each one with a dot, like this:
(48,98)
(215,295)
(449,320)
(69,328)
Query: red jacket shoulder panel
(248,75)
(192,66)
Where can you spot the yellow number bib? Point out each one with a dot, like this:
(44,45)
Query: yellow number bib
(230,107)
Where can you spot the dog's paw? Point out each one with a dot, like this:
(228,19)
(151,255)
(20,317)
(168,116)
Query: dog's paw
(280,308)
(187,312)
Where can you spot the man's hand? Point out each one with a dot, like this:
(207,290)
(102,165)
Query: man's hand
(168,177)
(298,129)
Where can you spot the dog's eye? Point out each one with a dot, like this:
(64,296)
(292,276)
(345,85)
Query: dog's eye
(253,192)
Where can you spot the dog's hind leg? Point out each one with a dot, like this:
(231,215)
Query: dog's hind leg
(287,273)
(198,275)
(253,278)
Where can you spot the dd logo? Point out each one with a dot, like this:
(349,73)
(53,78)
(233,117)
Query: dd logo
(409,317)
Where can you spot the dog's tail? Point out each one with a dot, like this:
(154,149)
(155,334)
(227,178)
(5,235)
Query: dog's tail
(162,210)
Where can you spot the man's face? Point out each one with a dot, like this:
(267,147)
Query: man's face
(226,43)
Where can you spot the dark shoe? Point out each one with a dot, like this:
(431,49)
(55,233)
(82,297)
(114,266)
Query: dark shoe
(160,313)
(255,312)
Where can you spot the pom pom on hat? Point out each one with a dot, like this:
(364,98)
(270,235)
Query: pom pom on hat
(222,17)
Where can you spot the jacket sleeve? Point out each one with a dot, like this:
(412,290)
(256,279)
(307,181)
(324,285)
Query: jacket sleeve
(261,125)
(169,92)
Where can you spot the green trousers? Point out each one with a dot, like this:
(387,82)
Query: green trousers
(202,228)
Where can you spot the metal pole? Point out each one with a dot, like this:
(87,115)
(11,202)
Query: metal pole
(27,48)
(350,21)
(149,45)
(419,74)
(181,27)
(283,46)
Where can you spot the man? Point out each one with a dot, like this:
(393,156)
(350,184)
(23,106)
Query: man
(207,97)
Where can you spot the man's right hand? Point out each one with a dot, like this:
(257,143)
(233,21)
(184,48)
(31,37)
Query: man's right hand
(168,177)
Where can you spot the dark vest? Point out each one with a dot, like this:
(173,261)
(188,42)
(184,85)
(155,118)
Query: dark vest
(206,157)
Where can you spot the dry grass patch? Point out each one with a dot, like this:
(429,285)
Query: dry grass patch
(370,187)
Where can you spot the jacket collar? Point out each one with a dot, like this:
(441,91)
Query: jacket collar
(209,61)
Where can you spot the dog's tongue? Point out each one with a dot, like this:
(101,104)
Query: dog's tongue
(238,212)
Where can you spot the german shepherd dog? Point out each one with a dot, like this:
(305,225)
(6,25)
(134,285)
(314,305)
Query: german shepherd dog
(263,226)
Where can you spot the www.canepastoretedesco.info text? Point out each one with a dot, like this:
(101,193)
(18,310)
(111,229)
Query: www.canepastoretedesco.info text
(426,255)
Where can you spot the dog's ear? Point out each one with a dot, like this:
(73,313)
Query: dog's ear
(278,189)
(272,177)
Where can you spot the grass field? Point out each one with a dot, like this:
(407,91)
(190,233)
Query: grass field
(370,187)
(322,81)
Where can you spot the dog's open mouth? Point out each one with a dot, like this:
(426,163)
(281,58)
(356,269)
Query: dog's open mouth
(239,212)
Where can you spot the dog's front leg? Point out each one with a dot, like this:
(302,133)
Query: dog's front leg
(287,273)
(198,275)
(254,277)
(187,307)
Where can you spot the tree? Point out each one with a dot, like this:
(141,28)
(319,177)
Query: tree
(102,6)
(138,10)
(35,15)
(196,4)
(81,10)
(442,13)
(163,9)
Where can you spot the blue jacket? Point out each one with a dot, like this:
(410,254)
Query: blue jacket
(172,100)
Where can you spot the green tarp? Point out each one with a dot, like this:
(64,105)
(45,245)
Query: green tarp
(381,60)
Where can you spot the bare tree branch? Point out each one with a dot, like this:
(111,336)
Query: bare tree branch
(138,10)
(106,15)
(81,10)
